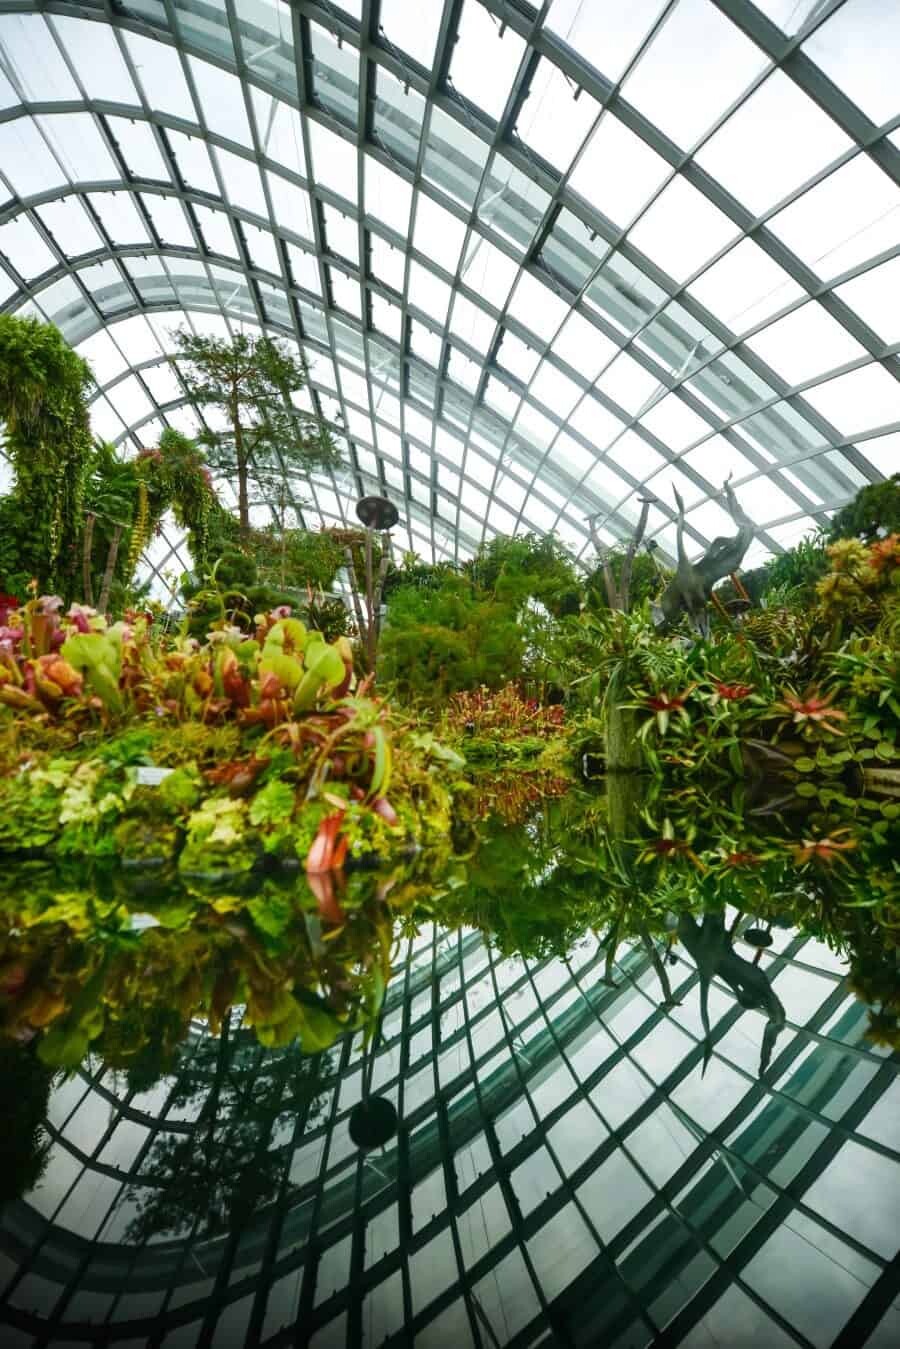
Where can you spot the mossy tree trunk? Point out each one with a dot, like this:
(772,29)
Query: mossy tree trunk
(623,748)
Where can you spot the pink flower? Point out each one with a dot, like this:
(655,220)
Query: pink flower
(50,604)
(81,614)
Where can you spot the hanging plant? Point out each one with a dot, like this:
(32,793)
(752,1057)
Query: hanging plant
(43,389)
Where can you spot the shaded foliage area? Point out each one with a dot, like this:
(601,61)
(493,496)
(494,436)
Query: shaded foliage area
(23,1141)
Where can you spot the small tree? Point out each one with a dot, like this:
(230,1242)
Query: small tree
(249,380)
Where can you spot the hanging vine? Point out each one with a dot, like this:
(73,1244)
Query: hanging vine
(43,390)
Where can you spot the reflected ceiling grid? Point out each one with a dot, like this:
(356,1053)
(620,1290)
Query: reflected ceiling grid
(517,1082)
(548,489)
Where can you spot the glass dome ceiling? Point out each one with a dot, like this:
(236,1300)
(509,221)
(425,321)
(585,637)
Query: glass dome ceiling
(540,260)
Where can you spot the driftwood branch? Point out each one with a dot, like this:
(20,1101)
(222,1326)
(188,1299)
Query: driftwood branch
(619,597)
(110,568)
(354,591)
(628,563)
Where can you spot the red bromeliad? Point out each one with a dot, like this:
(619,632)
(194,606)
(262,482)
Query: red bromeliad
(812,709)
(743,859)
(731,693)
(664,705)
(825,850)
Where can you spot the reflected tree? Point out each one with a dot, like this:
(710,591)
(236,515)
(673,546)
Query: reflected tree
(230,1163)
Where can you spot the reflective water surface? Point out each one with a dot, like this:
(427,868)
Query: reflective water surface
(637,1099)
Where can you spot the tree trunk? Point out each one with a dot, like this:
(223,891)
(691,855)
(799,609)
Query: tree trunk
(240,454)
(86,546)
(110,568)
(623,748)
(370,603)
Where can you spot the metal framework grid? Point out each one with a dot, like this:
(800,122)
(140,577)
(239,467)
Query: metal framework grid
(539,260)
(563,1174)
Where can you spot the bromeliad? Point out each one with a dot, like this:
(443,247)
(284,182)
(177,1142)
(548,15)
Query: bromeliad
(812,709)
(825,850)
(664,706)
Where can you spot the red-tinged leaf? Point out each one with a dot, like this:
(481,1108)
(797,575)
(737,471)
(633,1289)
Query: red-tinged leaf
(320,857)
(330,910)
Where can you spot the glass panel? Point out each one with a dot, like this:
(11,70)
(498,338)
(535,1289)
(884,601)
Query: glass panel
(486,57)
(573,250)
(26,161)
(193,162)
(859,48)
(772,144)
(556,116)
(511,204)
(221,101)
(139,149)
(873,297)
(805,343)
(388,197)
(438,235)
(618,172)
(698,49)
(536,306)
(702,230)
(488,271)
(334,161)
(119,217)
(243,184)
(161,76)
(33,59)
(454,157)
(341,234)
(99,64)
(583,346)
(624,295)
(604,32)
(858,401)
(413,28)
(280,132)
(850,217)
(398,117)
(335,75)
(745,287)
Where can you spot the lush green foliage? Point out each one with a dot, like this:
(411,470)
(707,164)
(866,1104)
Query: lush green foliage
(874,510)
(485,623)
(438,641)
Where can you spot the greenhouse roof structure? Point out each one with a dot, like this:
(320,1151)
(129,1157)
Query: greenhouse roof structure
(541,260)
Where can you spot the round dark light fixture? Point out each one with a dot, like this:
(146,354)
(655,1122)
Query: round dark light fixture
(373,1123)
(377,513)
(757,936)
